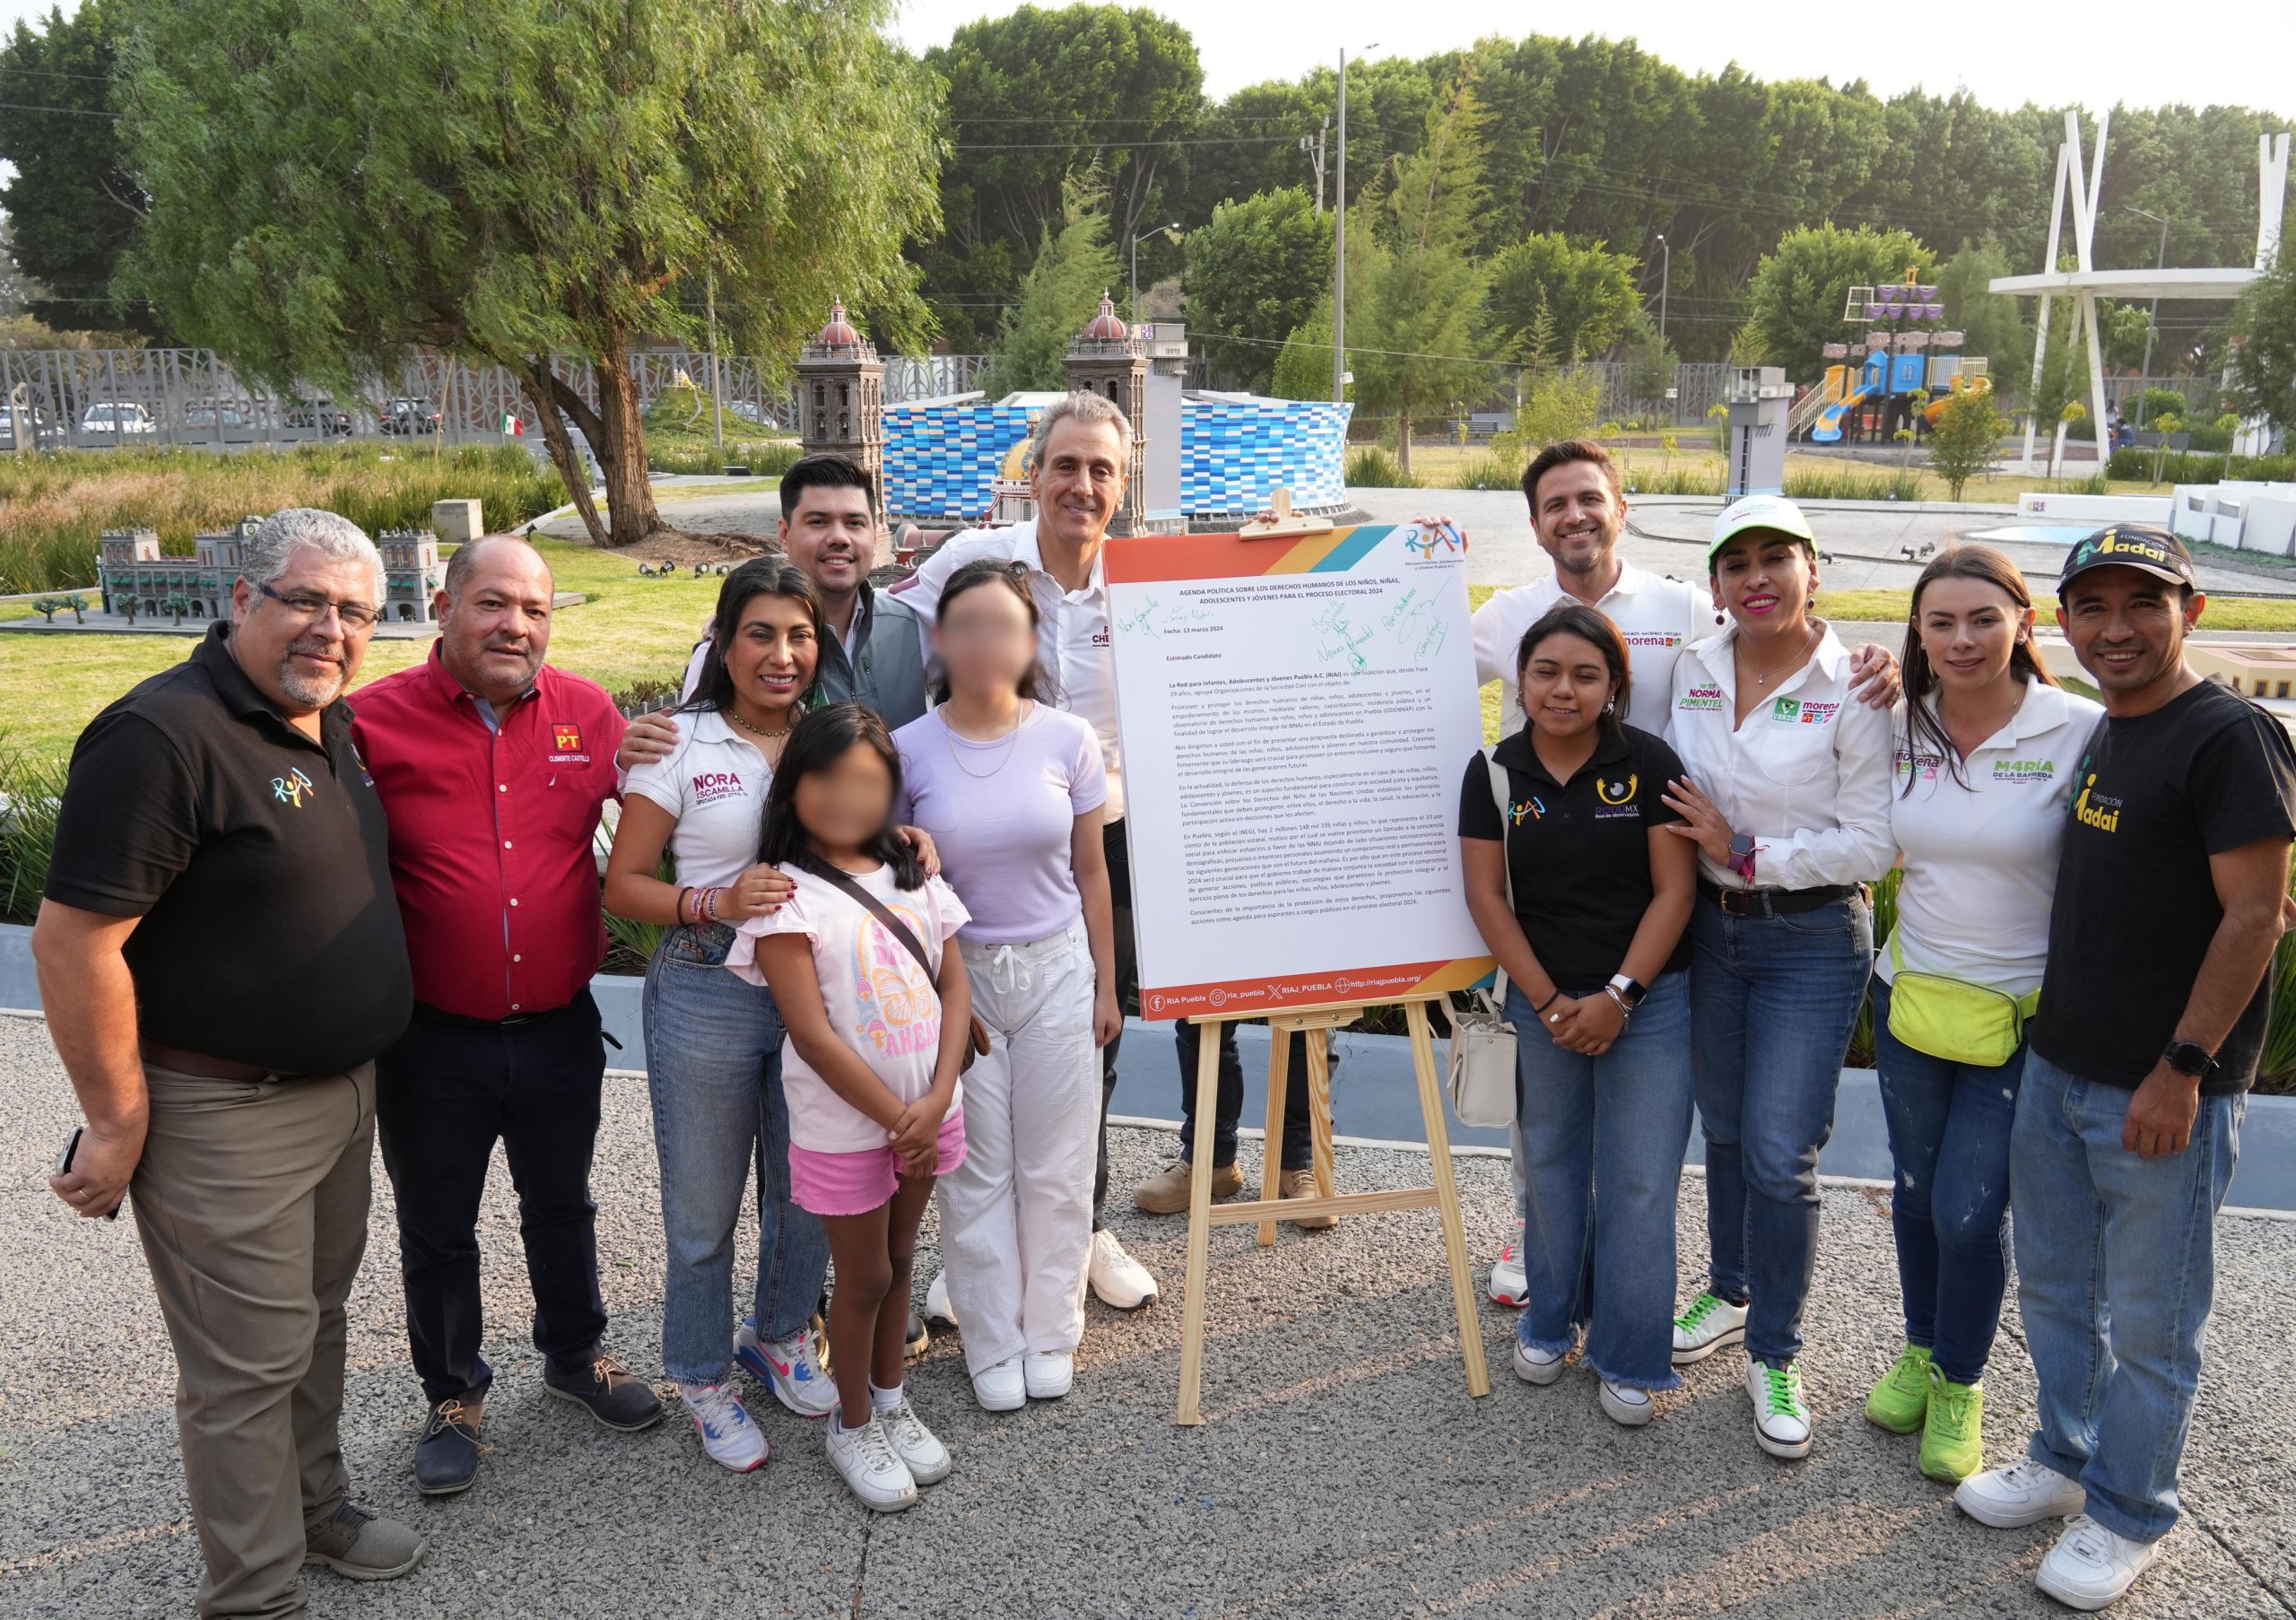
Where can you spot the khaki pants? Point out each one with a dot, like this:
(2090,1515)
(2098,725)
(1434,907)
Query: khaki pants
(251,1199)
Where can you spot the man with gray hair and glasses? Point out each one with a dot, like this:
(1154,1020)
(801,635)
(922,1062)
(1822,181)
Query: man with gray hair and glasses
(220,959)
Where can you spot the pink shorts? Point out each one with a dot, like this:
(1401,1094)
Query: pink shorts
(855,1183)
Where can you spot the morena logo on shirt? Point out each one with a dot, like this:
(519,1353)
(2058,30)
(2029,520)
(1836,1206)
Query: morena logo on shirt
(709,786)
(1819,714)
(1652,638)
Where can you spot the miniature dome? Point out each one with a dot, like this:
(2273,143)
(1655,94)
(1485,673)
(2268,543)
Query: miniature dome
(1105,326)
(840,332)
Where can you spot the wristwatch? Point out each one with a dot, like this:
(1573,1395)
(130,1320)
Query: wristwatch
(2189,1058)
(1630,992)
(1741,856)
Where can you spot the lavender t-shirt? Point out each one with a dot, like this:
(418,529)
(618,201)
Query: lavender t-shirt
(1004,813)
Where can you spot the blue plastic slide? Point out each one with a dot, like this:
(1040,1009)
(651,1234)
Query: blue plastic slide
(1827,427)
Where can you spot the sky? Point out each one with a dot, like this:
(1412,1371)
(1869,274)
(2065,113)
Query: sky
(2106,52)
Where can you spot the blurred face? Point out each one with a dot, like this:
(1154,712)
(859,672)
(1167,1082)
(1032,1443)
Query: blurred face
(1968,629)
(1765,581)
(1079,481)
(2127,627)
(300,653)
(1566,685)
(773,654)
(832,536)
(493,638)
(845,806)
(985,639)
(1576,518)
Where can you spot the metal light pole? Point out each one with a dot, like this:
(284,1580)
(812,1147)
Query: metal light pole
(717,394)
(1172,230)
(1665,276)
(1313,145)
(1339,261)
(2152,321)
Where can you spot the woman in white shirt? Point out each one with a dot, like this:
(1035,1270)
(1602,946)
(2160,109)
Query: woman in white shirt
(713,1043)
(1787,796)
(1986,760)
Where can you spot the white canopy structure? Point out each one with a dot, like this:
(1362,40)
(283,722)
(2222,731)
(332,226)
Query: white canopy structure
(2085,283)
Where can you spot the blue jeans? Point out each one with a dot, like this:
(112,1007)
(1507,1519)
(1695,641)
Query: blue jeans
(1949,1200)
(2116,1269)
(1602,1145)
(1773,1001)
(713,1048)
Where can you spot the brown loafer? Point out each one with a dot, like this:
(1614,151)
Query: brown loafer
(1301,1184)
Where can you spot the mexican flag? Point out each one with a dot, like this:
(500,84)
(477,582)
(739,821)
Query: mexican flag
(512,426)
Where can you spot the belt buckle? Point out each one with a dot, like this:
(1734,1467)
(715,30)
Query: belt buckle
(1736,902)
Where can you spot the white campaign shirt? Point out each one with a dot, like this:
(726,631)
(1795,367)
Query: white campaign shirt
(1073,641)
(714,783)
(1980,859)
(1658,616)
(1807,775)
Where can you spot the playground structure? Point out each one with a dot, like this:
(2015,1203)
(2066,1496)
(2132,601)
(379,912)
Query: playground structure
(1879,386)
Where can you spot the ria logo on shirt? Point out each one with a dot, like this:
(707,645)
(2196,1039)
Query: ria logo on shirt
(711,786)
(292,789)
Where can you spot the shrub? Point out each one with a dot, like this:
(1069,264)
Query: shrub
(2155,404)
(1843,483)
(1491,472)
(1965,438)
(765,458)
(1372,467)
(1642,480)
(32,788)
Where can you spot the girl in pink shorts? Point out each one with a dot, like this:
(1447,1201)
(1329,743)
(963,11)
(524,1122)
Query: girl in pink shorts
(879,1017)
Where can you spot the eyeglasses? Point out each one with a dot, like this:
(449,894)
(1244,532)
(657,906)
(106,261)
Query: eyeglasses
(355,615)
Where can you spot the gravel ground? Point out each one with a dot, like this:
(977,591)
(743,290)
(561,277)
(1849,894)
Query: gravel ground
(1343,1470)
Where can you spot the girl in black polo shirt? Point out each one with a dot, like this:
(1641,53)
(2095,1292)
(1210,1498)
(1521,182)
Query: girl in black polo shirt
(1584,900)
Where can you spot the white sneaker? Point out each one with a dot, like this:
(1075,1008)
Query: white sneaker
(1048,1374)
(2090,1567)
(1509,1286)
(1781,1417)
(938,1312)
(1122,1282)
(727,1432)
(2025,1492)
(1624,1404)
(1001,1387)
(871,1466)
(1709,1323)
(791,1368)
(1537,1366)
(918,1447)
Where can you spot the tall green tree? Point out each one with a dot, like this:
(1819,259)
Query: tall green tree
(1422,299)
(335,185)
(72,207)
(1797,296)
(1074,268)
(2264,336)
(1303,366)
(1585,291)
(1993,325)
(1255,273)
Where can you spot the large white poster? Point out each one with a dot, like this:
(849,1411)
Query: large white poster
(1296,714)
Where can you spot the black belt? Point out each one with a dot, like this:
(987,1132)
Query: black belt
(456,1021)
(1773,902)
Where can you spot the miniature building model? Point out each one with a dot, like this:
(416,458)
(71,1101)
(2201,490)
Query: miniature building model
(134,578)
(841,398)
(1106,359)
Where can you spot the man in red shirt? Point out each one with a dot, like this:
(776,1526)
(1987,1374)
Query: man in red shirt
(493,768)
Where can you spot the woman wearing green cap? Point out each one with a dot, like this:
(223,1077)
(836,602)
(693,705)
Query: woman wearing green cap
(1787,796)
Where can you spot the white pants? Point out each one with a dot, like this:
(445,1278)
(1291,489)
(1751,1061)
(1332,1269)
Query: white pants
(1016,1216)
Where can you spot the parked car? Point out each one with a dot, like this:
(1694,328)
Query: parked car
(409,416)
(118,418)
(322,416)
(208,418)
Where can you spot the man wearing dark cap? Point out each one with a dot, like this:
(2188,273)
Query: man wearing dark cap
(220,959)
(2169,904)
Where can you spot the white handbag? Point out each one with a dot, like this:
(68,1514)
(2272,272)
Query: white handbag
(1482,1042)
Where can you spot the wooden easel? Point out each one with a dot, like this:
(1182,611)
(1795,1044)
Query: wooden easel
(1268,1209)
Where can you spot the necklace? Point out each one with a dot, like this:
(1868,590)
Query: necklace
(1012,746)
(770,737)
(1764,680)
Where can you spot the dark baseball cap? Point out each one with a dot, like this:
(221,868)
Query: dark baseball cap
(2146,547)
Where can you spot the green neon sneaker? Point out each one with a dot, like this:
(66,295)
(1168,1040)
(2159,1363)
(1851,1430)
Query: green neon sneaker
(1953,1441)
(1902,1399)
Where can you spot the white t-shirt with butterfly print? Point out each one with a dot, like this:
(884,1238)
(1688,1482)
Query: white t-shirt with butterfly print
(880,1002)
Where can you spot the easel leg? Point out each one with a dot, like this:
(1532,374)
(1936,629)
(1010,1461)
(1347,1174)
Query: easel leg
(1447,1196)
(1271,1158)
(1319,1109)
(1200,1216)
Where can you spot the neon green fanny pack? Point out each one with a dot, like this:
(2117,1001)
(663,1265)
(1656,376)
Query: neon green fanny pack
(1954,1019)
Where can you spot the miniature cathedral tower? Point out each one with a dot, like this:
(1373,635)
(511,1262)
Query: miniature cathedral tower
(840,403)
(1107,359)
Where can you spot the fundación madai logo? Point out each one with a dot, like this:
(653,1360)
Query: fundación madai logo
(2095,809)
(292,788)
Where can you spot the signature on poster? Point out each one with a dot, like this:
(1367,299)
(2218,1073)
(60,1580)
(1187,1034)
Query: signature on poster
(1339,640)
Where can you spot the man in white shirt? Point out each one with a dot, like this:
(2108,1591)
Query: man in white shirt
(1578,503)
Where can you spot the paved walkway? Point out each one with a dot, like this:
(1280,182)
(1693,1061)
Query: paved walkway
(1343,1471)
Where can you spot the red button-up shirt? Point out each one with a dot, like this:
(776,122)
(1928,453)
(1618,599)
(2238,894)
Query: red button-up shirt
(490,834)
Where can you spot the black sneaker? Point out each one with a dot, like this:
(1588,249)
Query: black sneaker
(920,1336)
(446,1458)
(615,1395)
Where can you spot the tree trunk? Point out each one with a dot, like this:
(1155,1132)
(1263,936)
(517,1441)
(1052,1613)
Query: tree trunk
(621,450)
(539,384)
(1403,441)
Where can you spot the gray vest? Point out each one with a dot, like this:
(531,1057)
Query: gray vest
(890,656)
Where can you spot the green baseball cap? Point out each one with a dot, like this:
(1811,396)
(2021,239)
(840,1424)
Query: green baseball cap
(1757,511)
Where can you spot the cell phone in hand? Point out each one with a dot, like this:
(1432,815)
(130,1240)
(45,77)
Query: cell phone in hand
(72,1151)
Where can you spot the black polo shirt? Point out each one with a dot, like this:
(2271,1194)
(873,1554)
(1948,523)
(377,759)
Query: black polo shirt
(1577,852)
(258,860)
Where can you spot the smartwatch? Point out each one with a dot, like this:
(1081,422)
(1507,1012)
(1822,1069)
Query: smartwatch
(2189,1058)
(1630,992)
